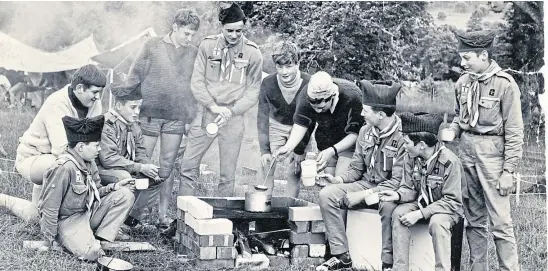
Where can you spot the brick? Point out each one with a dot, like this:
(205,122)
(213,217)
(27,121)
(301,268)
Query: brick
(199,209)
(306,238)
(300,203)
(315,250)
(182,202)
(177,237)
(282,202)
(213,264)
(204,253)
(280,262)
(299,251)
(306,262)
(235,203)
(309,213)
(225,253)
(180,225)
(180,214)
(209,226)
(216,202)
(317,226)
(299,226)
(186,229)
(217,240)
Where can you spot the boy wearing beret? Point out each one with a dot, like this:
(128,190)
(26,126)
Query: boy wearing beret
(75,210)
(226,80)
(123,154)
(376,166)
(430,190)
(490,125)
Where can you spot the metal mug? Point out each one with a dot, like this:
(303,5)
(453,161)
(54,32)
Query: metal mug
(259,202)
(112,264)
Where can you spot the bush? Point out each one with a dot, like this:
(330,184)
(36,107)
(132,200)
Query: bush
(442,16)
(460,7)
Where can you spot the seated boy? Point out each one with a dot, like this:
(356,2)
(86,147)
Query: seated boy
(430,190)
(123,155)
(376,166)
(75,209)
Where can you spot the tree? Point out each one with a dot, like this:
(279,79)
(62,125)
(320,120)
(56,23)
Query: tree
(475,22)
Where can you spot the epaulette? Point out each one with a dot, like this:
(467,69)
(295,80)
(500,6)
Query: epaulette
(250,43)
(505,75)
(61,160)
(444,159)
(212,37)
(110,118)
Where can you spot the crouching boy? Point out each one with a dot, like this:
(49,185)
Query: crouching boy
(75,210)
(430,190)
(122,154)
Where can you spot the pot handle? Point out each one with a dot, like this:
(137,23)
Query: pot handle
(268,202)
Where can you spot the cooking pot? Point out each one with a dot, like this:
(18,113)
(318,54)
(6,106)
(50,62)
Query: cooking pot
(259,202)
(112,264)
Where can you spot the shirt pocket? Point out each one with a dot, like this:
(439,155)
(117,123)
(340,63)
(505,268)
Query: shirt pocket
(489,109)
(239,71)
(213,69)
(77,197)
(388,156)
(435,186)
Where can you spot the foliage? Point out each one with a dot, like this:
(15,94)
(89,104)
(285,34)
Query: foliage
(352,40)
(460,7)
(442,15)
(475,22)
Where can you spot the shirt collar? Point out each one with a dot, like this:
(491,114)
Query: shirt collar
(167,39)
(335,99)
(80,163)
(118,116)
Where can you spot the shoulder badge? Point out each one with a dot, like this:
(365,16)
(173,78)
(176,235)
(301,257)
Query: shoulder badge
(506,76)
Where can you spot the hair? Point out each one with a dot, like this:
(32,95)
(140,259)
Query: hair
(187,17)
(430,139)
(88,75)
(72,144)
(389,111)
(488,50)
(286,52)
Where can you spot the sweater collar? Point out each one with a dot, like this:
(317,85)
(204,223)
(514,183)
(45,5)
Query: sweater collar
(75,101)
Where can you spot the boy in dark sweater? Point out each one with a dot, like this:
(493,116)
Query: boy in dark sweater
(335,105)
(277,103)
(164,67)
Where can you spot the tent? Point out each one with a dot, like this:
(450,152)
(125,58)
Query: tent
(16,55)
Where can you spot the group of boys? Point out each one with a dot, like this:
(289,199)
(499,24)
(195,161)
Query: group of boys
(84,164)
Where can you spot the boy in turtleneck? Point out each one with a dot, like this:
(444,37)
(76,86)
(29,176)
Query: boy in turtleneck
(277,104)
(45,138)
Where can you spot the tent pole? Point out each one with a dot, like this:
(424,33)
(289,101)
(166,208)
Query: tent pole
(111,79)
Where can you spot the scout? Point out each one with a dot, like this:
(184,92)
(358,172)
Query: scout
(225,82)
(489,122)
(376,166)
(76,211)
(277,104)
(123,155)
(164,66)
(430,190)
(334,105)
(45,138)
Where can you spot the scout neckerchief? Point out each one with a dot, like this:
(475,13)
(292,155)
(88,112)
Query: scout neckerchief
(130,142)
(426,169)
(227,56)
(378,136)
(81,167)
(470,111)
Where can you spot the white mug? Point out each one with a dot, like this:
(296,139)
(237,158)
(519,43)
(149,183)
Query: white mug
(447,134)
(141,184)
(372,199)
(212,129)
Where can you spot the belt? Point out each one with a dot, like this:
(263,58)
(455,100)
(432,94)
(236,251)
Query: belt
(481,134)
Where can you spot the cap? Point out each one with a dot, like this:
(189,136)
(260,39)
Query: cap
(420,122)
(231,14)
(475,40)
(124,92)
(83,130)
(379,93)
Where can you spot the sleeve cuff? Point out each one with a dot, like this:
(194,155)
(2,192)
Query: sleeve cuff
(426,213)
(137,167)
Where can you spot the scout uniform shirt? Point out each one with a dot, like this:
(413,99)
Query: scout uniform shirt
(121,145)
(378,164)
(435,184)
(227,76)
(71,186)
(499,109)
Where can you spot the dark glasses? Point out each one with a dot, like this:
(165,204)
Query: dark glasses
(320,100)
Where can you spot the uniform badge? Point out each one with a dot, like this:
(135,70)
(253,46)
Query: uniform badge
(216,51)
(436,170)
(492,92)
(394,143)
(240,55)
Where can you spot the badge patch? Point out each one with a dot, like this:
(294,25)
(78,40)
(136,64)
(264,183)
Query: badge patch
(436,170)
(216,51)
(394,143)
(492,92)
(240,55)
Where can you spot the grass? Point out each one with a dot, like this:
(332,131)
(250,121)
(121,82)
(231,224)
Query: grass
(529,217)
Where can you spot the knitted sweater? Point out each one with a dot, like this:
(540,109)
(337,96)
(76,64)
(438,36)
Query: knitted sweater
(46,133)
(164,72)
(272,104)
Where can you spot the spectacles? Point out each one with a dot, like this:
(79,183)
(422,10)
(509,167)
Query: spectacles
(320,100)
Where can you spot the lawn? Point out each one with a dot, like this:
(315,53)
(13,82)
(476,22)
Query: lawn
(529,217)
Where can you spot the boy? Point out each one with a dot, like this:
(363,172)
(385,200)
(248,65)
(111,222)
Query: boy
(75,209)
(430,190)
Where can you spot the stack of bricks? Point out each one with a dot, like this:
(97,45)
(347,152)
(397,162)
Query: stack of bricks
(207,241)
(307,237)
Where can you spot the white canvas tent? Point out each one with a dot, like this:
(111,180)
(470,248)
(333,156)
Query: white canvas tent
(16,55)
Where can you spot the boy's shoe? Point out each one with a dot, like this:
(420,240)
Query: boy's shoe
(336,263)
(168,229)
(122,236)
(386,267)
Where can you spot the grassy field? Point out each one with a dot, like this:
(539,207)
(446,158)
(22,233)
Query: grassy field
(529,216)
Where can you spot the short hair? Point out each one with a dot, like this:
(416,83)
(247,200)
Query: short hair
(187,17)
(389,111)
(428,138)
(286,52)
(88,75)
